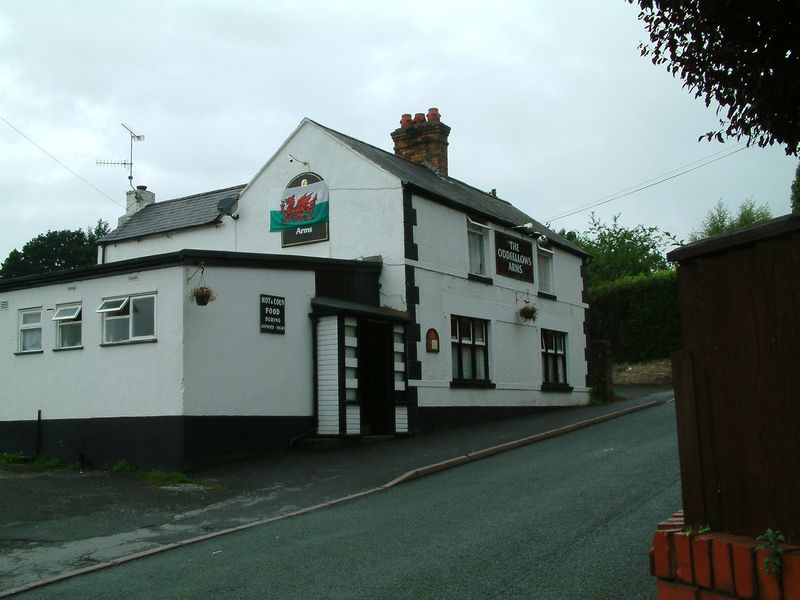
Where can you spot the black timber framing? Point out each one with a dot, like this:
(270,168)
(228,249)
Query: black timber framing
(412,329)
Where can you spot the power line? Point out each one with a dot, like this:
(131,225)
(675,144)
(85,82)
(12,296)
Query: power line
(652,182)
(89,183)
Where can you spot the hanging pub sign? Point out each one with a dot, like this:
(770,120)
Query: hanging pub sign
(300,212)
(513,257)
(272,314)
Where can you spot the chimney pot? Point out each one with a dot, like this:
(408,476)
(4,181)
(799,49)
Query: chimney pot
(141,187)
(423,142)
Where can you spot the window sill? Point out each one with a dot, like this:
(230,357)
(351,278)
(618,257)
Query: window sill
(556,387)
(128,343)
(28,352)
(470,383)
(480,278)
(68,349)
(547,295)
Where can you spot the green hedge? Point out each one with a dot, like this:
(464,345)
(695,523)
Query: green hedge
(638,315)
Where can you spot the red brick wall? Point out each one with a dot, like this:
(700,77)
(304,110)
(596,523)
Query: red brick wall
(718,566)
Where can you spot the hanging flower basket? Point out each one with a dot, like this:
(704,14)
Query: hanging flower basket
(528,312)
(202,295)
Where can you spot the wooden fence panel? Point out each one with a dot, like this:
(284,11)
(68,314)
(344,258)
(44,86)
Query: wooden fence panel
(737,386)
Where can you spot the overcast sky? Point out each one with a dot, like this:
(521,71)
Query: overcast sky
(549,102)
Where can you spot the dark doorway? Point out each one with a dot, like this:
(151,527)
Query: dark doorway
(376,377)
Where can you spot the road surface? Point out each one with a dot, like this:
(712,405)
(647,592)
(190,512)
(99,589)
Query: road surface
(570,517)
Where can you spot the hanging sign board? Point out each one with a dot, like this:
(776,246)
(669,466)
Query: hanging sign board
(513,257)
(272,314)
(300,212)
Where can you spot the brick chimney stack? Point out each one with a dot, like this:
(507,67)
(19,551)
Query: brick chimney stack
(422,139)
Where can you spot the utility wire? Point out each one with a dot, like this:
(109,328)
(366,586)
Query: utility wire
(89,183)
(651,182)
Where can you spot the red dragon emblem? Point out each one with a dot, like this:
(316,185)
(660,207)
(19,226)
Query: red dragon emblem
(299,210)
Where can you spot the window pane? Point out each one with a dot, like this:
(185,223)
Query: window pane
(454,358)
(545,264)
(547,340)
(116,329)
(33,317)
(560,343)
(69,335)
(453,328)
(113,305)
(479,337)
(476,264)
(31,340)
(350,352)
(465,327)
(551,369)
(466,362)
(144,317)
(480,364)
(67,312)
(561,376)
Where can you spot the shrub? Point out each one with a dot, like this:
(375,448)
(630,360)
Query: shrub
(638,315)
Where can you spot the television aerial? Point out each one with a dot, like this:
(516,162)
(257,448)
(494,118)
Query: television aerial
(125,163)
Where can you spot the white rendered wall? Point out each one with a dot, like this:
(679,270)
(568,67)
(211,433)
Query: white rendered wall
(365,212)
(231,367)
(515,365)
(125,380)
(221,236)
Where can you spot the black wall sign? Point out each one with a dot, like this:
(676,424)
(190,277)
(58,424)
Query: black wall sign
(272,314)
(513,257)
(305,234)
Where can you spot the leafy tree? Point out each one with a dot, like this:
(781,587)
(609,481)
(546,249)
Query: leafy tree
(55,251)
(619,251)
(743,55)
(720,219)
(796,190)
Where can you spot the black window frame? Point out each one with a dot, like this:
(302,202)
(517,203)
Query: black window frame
(558,351)
(458,343)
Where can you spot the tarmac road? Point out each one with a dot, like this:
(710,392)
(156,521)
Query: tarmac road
(570,517)
(83,519)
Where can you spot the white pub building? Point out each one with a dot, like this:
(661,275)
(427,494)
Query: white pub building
(344,291)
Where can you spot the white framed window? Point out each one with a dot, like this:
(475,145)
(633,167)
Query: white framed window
(128,318)
(69,328)
(470,349)
(544,264)
(30,330)
(477,246)
(554,357)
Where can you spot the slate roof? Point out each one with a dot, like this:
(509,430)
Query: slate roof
(209,207)
(181,213)
(450,190)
